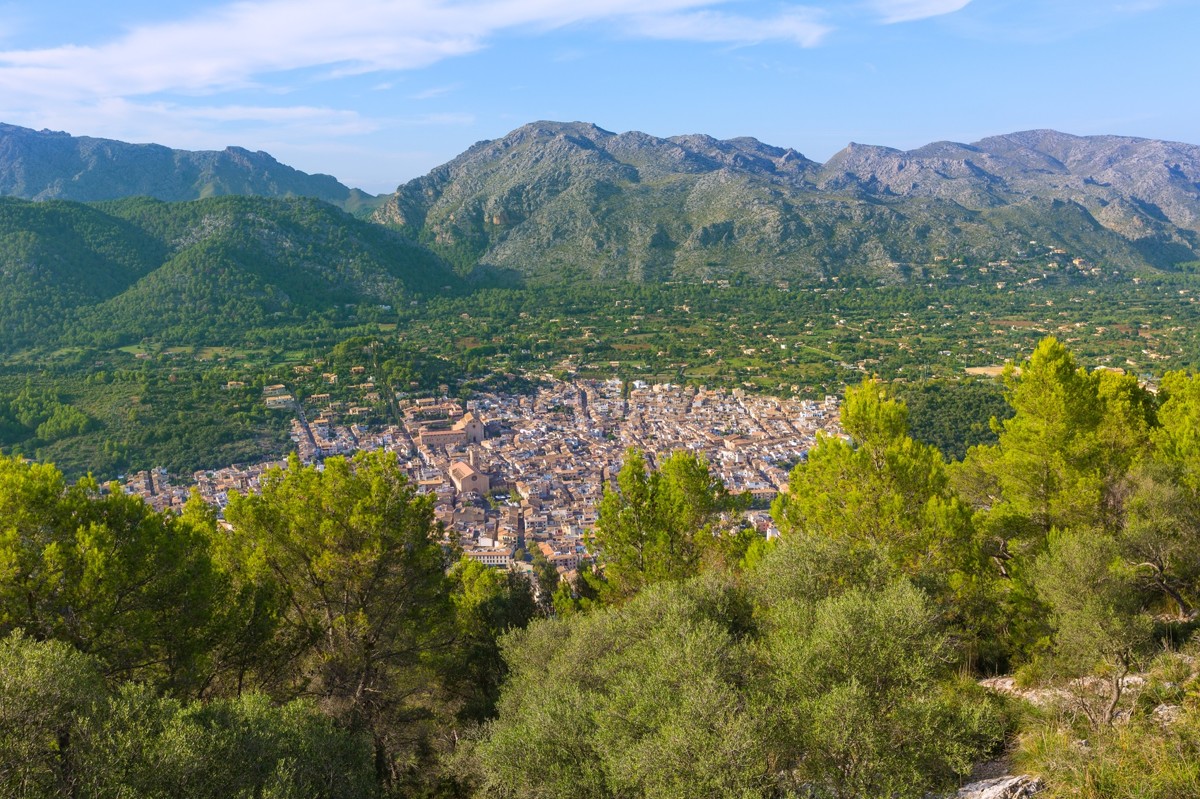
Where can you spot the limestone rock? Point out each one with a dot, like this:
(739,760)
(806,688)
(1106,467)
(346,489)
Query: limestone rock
(1010,787)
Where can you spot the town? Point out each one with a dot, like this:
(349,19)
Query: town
(517,472)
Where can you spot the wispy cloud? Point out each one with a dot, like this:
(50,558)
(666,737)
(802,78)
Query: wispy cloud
(435,91)
(243,44)
(1062,20)
(203,126)
(892,11)
(801,26)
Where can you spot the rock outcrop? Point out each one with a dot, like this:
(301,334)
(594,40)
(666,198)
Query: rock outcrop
(1019,787)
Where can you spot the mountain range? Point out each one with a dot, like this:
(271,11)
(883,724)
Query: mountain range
(554,202)
(551,197)
(51,165)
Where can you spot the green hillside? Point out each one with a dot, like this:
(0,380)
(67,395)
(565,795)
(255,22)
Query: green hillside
(197,272)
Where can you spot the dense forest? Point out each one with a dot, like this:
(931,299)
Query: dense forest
(325,642)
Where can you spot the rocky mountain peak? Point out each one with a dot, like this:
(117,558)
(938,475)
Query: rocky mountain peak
(634,204)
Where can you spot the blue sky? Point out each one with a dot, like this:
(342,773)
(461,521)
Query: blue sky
(379,91)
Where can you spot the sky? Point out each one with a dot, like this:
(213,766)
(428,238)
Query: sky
(377,92)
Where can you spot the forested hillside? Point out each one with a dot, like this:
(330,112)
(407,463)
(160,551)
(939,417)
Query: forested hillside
(114,273)
(326,643)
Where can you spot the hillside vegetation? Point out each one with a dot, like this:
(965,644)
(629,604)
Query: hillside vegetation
(328,645)
(114,273)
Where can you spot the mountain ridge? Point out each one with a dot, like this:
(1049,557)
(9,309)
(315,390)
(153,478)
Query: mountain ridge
(554,201)
(54,165)
(554,196)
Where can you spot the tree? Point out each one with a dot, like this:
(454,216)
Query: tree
(1098,615)
(584,594)
(143,745)
(1042,472)
(881,490)
(1160,534)
(366,602)
(48,691)
(545,574)
(1061,459)
(488,603)
(107,574)
(1065,460)
(663,524)
(880,506)
(864,702)
(1177,437)
(649,699)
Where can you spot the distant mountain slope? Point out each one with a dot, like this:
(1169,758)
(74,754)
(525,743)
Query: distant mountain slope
(58,256)
(554,198)
(1132,185)
(195,272)
(47,165)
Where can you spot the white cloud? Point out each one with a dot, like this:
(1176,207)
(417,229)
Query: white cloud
(220,75)
(204,127)
(800,26)
(891,11)
(243,44)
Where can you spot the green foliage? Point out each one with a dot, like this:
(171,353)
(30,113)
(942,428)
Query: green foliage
(1177,439)
(1160,534)
(588,592)
(583,715)
(842,697)
(48,692)
(147,746)
(1045,464)
(107,574)
(365,601)
(62,734)
(663,524)
(954,415)
(1099,621)
(487,604)
(836,662)
(1065,460)
(1066,450)
(33,417)
(546,575)
(866,707)
(883,490)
